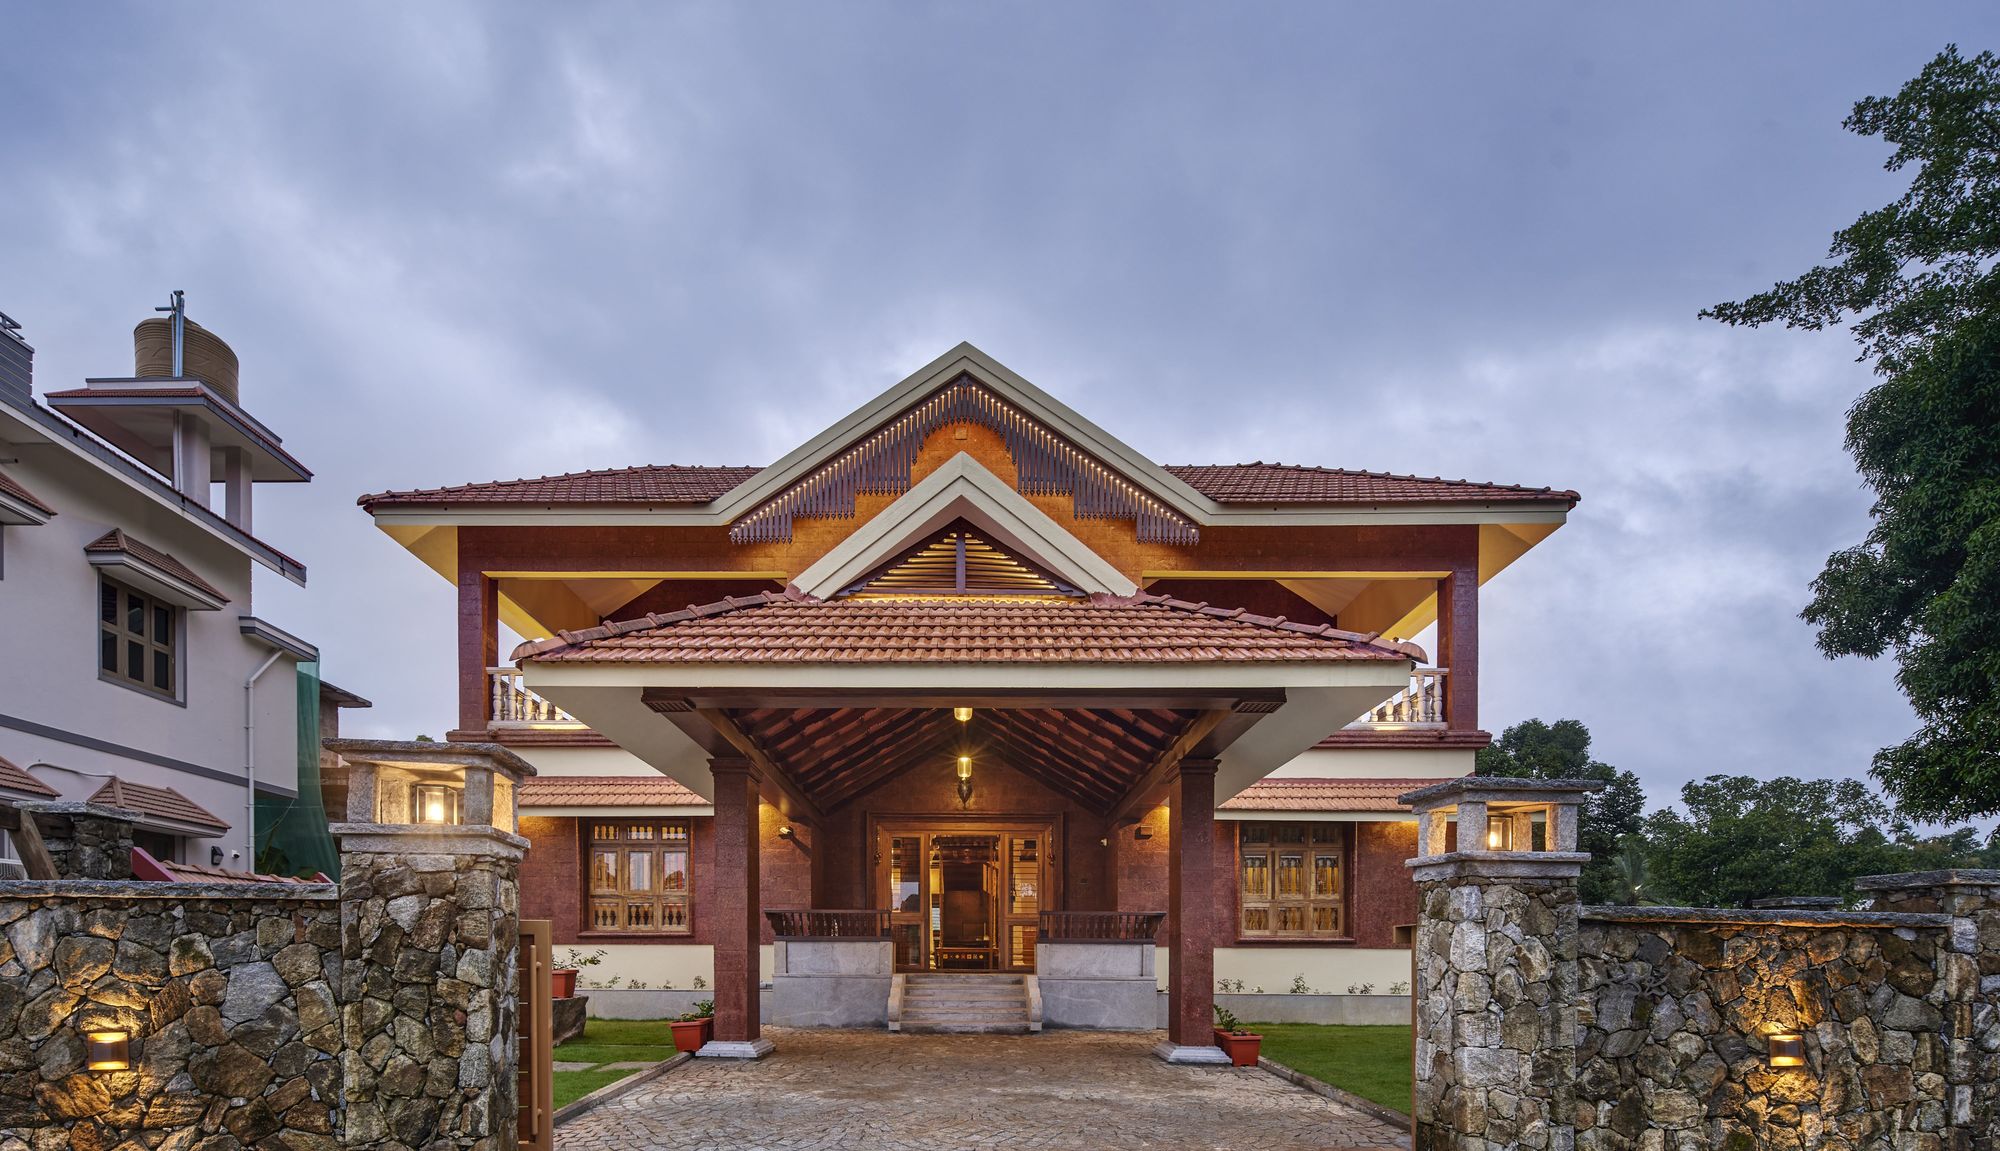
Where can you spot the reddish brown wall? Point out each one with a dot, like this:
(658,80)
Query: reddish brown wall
(550,879)
(1382,893)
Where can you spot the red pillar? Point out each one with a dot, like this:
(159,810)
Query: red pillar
(478,646)
(736,907)
(1195,915)
(1458,646)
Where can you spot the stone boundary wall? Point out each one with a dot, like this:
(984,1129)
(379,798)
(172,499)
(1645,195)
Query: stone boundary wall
(1676,1006)
(227,990)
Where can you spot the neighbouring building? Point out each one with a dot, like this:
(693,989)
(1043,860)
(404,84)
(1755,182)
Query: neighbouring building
(964,664)
(139,674)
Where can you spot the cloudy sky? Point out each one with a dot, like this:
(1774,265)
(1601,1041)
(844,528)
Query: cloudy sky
(456,242)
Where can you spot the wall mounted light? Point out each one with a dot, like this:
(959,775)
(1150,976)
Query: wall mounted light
(434,803)
(1787,1049)
(965,781)
(786,832)
(215,857)
(962,714)
(107,1050)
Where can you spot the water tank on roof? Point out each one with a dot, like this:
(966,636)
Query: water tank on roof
(205,358)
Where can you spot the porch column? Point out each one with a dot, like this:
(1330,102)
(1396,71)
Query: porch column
(1192,910)
(1458,646)
(478,646)
(736,907)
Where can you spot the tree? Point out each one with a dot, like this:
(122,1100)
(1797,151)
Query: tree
(1921,279)
(1532,749)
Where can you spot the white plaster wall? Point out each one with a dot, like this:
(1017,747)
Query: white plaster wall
(1379,763)
(48,651)
(584,761)
(656,963)
(1327,969)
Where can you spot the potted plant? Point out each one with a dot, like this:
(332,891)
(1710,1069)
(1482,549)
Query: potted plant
(1230,1035)
(562,980)
(694,1028)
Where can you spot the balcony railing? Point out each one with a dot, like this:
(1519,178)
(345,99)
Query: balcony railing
(510,703)
(867,923)
(1099,926)
(1419,705)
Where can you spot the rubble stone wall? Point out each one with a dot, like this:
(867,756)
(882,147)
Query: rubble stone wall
(226,989)
(1677,1007)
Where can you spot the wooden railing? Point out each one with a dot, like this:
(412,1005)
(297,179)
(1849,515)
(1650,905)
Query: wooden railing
(510,702)
(1099,926)
(1419,705)
(866,923)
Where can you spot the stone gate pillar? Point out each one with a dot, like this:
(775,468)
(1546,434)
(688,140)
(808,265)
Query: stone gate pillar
(1970,971)
(430,937)
(1496,963)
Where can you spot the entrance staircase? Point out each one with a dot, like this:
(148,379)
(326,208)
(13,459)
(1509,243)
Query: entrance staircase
(968,1002)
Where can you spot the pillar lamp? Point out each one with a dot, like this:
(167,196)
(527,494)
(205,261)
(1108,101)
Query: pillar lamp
(434,804)
(965,781)
(962,714)
(107,1050)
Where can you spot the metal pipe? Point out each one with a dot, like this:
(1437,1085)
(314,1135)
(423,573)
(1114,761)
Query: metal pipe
(250,761)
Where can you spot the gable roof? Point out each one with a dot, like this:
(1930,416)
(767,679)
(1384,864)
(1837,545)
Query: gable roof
(545,791)
(790,627)
(12,487)
(115,542)
(13,778)
(647,484)
(159,802)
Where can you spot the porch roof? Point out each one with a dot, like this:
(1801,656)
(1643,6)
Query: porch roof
(791,628)
(1309,794)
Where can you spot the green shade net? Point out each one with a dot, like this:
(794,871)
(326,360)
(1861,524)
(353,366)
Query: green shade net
(292,838)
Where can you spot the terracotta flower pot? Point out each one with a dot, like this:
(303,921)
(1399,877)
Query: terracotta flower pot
(1241,1046)
(562,984)
(689,1036)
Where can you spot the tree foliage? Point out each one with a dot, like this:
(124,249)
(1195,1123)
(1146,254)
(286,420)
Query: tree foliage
(1533,749)
(1741,839)
(1920,279)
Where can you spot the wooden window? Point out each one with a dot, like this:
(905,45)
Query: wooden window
(137,640)
(1289,880)
(639,876)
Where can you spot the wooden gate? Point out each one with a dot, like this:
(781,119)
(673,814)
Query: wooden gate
(535,1083)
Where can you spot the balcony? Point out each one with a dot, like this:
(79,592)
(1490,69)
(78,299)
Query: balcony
(1417,707)
(509,704)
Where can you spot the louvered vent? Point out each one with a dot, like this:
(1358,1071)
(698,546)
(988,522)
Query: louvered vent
(957,562)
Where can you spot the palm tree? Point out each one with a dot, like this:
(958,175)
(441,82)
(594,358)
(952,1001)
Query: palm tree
(1630,874)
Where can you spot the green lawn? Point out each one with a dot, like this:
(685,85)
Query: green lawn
(1372,1062)
(609,1041)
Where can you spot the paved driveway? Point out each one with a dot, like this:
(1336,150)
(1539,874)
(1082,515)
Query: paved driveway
(873,1091)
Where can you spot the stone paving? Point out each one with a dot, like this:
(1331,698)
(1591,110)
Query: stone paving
(873,1091)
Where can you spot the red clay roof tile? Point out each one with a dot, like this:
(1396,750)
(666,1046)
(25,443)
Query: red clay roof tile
(793,628)
(116,540)
(13,488)
(16,779)
(159,802)
(1262,483)
(1298,793)
(543,791)
(651,484)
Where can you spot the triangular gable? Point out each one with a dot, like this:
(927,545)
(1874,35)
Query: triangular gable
(1056,452)
(958,561)
(963,490)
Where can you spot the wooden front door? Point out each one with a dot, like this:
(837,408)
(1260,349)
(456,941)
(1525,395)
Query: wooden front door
(964,895)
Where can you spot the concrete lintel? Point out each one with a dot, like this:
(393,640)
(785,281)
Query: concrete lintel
(717,1049)
(407,839)
(1179,1053)
(74,808)
(1498,865)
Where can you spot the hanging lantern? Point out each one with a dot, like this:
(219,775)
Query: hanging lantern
(965,781)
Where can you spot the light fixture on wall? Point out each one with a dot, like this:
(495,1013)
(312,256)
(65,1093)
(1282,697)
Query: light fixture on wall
(965,781)
(434,803)
(1787,1049)
(962,714)
(786,832)
(107,1050)
(215,857)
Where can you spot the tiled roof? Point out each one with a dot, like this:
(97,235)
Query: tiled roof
(1262,483)
(13,778)
(789,627)
(13,488)
(651,484)
(116,540)
(163,392)
(158,802)
(1288,793)
(1257,483)
(606,791)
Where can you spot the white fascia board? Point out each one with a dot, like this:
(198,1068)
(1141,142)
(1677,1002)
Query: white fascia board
(963,488)
(967,360)
(278,639)
(619,812)
(547,678)
(1443,512)
(155,581)
(20,513)
(35,424)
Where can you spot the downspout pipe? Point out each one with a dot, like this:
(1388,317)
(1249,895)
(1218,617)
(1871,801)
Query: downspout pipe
(250,760)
